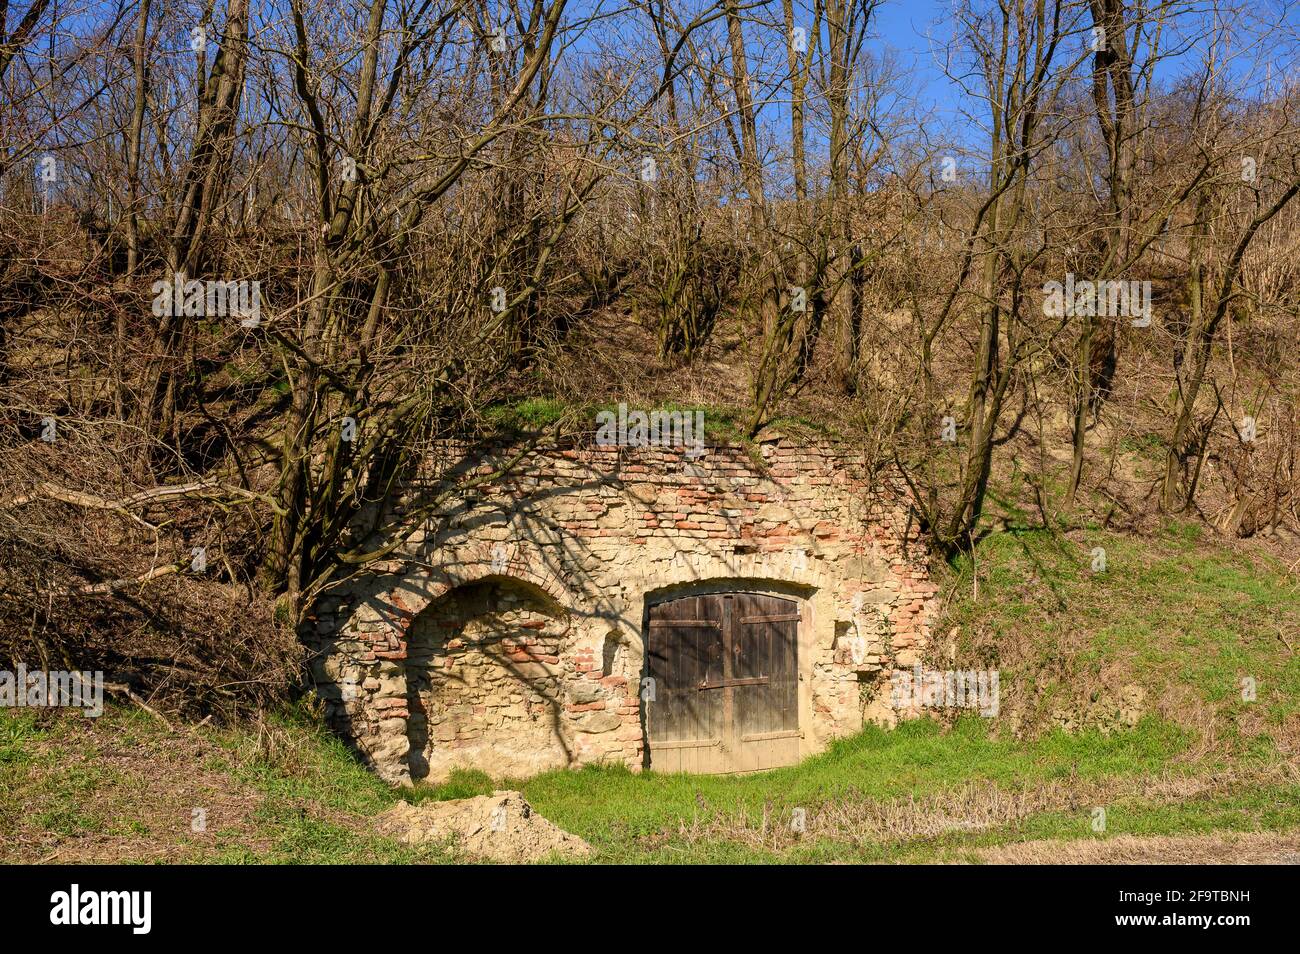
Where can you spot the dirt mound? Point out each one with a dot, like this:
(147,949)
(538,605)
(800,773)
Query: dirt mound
(497,827)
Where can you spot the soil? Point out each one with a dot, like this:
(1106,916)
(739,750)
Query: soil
(498,827)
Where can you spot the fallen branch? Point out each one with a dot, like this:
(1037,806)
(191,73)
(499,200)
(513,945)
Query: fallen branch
(108,587)
(205,490)
(135,698)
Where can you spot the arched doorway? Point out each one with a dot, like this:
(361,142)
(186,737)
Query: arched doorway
(723,694)
(484,682)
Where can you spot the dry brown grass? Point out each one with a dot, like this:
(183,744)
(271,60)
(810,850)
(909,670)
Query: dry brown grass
(969,808)
(1245,848)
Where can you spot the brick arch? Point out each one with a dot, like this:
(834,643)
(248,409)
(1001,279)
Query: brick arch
(728,583)
(417,585)
(411,587)
(780,567)
(511,561)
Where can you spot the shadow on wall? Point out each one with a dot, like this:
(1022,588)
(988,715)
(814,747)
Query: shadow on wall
(422,681)
(485,686)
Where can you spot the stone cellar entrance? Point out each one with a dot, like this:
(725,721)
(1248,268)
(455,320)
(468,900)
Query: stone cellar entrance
(639,606)
(724,689)
(483,682)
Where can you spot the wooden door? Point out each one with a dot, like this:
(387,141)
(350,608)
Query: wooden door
(726,693)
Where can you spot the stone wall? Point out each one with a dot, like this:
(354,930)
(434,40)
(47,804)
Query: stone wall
(507,635)
(481,682)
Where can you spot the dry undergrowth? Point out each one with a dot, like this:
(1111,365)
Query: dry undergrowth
(1235,848)
(981,806)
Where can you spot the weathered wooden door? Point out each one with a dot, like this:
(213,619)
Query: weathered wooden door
(726,693)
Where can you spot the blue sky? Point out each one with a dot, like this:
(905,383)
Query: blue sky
(910,27)
(1261,46)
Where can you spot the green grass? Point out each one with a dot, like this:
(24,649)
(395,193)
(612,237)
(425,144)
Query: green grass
(636,818)
(313,767)
(1149,447)
(1258,808)
(529,414)
(314,803)
(17,729)
(723,424)
(614,808)
(1180,618)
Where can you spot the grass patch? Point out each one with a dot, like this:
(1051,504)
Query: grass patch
(723,424)
(527,415)
(307,800)
(616,809)
(293,758)
(1184,621)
